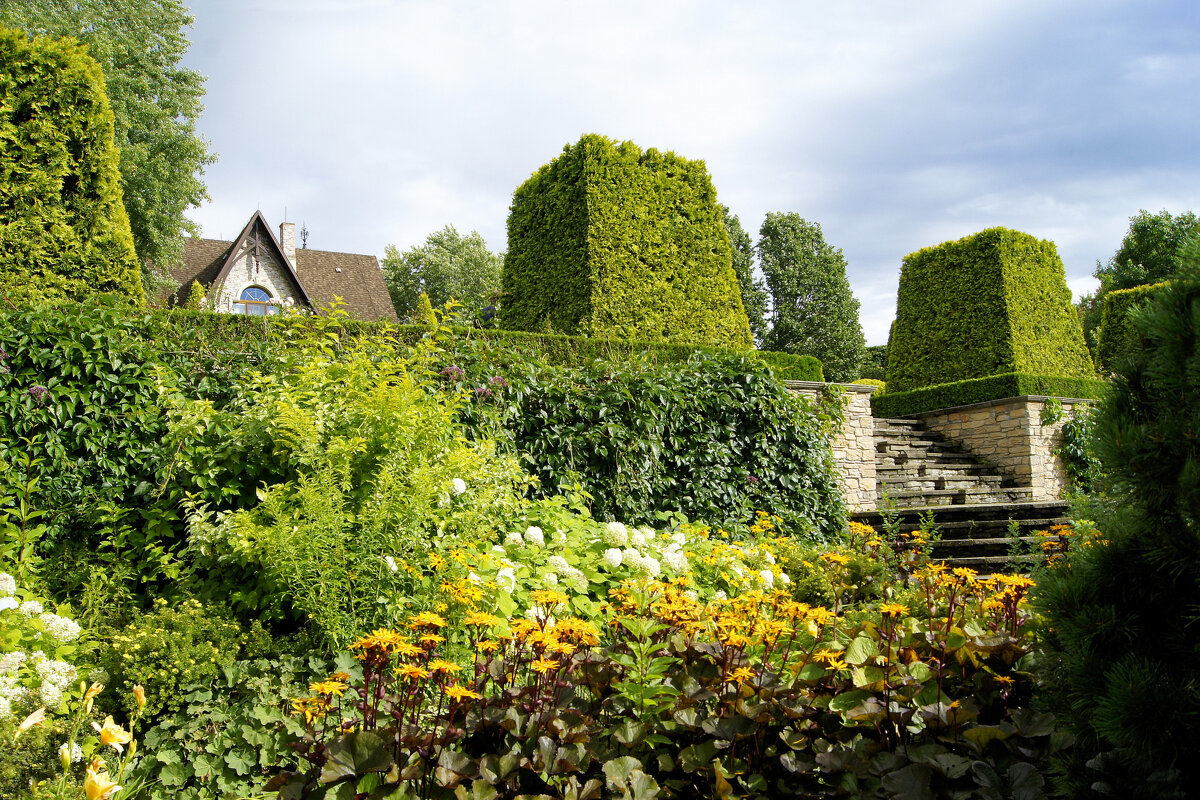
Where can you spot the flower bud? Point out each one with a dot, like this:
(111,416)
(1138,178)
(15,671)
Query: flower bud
(139,696)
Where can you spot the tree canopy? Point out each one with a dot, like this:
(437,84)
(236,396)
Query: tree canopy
(447,266)
(155,103)
(754,291)
(63,229)
(814,313)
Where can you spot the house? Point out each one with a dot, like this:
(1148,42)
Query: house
(258,273)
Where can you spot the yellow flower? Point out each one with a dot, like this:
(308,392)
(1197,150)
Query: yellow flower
(36,718)
(139,696)
(426,619)
(487,646)
(739,675)
(411,671)
(448,667)
(543,665)
(893,609)
(330,687)
(481,619)
(97,785)
(548,597)
(459,693)
(112,734)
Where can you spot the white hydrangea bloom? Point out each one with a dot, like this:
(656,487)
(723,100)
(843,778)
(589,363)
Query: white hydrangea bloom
(637,538)
(720,595)
(558,564)
(50,695)
(550,579)
(559,536)
(60,628)
(70,752)
(784,578)
(7,603)
(8,584)
(506,579)
(498,549)
(651,567)
(676,561)
(11,662)
(576,581)
(36,657)
(613,557)
(534,535)
(768,578)
(514,539)
(616,535)
(31,608)
(633,560)
(459,485)
(5,709)
(679,538)
(59,673)
(647,532)
(473,578)
(10,690)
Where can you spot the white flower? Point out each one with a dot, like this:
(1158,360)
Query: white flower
(559,536)
(70,752)
(391,563)
(647,531)
(768,578)
(11,662)
(784,578)
(576,581)
(506,579)
(676,561)
(613,557)
(59,673)
(558,564)
(637,538)
(7,603)
(534,535)
(473,578)
(651,567)
(550,579)
(31,608)
(51,695)
(720,595)
(514,539)
(616,534)
(679,538)
(60,628)
(5,709)
(459,485)
(8,584)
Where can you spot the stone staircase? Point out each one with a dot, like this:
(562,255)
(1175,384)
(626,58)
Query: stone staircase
(919,474)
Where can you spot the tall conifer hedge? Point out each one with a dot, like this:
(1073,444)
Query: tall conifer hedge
(608,240)
(63,227)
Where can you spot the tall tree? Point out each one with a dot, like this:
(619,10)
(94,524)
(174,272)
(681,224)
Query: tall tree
(155,103)
(814,312)
(754,291)
(448,266)
(1149,253)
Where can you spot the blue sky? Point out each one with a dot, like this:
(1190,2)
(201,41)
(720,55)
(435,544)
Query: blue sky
(894,125)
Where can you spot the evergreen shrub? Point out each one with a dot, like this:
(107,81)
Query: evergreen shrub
(981,390)
(993,303)
(608,240)
(1116,338)
(63,227)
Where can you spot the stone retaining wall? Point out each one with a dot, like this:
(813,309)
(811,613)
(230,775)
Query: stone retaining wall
(1009,434)
(854,446)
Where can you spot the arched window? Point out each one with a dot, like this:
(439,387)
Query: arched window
(255,301)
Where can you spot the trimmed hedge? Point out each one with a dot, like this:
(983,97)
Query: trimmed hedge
(610,241)
(1116,338)
(63,227)
(981,390)
(993,303)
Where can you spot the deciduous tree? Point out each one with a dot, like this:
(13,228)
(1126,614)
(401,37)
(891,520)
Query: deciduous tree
(155,101)
(447,266)
(814,312)
(754,291)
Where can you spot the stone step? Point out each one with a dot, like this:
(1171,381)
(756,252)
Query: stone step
(938,482)
(958,497)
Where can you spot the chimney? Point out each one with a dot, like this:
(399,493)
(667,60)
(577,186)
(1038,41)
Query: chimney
(287,239)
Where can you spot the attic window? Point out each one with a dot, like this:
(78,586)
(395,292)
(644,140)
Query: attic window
(256,301)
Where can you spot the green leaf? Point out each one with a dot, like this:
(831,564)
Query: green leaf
(354,755)
(861,649)
(909,783)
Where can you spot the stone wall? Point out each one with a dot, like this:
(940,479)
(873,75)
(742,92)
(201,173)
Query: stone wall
(1009,434)
(264,271)
(854,445)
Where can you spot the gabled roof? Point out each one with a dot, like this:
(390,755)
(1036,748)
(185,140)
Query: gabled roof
(252,239)
(322,274)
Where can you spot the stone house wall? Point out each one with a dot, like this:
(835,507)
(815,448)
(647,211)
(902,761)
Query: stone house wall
(264,271)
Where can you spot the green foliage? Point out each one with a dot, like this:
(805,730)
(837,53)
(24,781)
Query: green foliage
(195,298)
(1121,617)
(981,390)
(875,365)
(310,476)
(989,304)
(1074,446)
(448,266)
(813,310)
(791,367)
(714,438)
(173,645)
(63,230)
(155,102)
(881,386)
(423,313)
(1150,251)
(755,299)
(611,241)
(1116,337)
(230,732)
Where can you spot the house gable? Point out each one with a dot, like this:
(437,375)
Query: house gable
(256,260)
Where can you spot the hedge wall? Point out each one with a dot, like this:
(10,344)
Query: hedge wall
(1116,337)
(63,227)
(980,390)
(993,303)
(611,241)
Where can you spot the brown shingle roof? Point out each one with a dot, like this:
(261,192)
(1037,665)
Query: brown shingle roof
(355,278)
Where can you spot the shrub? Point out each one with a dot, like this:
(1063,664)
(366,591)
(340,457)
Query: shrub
(611,241)
(63,228)
(791,367)
(981,390)
(1116,338)
(1121,617)
(990,304)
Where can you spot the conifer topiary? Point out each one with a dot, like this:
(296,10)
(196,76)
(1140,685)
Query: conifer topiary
(63,228)
(1123,618)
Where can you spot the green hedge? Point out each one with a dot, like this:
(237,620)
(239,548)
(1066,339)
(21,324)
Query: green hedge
(63,227)
(1116,337)
(993,303)
(611,241)
(980,390)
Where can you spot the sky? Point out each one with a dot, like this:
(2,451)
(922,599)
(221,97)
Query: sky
(895,125)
